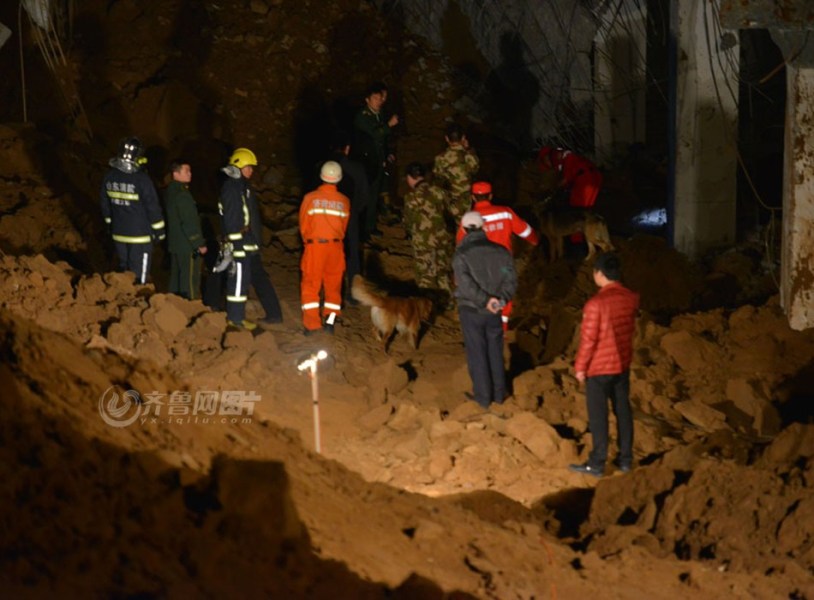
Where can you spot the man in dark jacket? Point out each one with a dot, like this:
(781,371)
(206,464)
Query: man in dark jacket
(486,280)
(372,146)
(355,186)
(241,225)
(185,242)
(603,363)
(131,209)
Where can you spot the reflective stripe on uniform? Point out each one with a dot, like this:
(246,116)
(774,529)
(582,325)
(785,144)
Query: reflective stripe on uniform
(144,258)
(237,296)
(250,247)
(122,196)
(526,232)
(497,217)
(330,305)
(132,239)
(107,220)
(310,305)
(327,211)
(158,225)
(235,236)
(239,254)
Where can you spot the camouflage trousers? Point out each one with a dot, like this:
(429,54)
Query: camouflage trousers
(433,263)
(458,205)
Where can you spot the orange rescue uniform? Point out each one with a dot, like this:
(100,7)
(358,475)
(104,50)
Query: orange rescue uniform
(323,222)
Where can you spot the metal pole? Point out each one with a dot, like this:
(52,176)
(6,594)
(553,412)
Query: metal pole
(315,399)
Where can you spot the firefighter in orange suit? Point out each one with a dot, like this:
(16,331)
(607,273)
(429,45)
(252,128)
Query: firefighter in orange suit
(323,221)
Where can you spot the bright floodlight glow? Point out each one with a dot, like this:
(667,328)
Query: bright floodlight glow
(322,355)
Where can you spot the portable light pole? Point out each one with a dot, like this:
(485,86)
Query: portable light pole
(310,364)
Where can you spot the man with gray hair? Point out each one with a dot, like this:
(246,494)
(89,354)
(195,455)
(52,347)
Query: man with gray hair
(486,280)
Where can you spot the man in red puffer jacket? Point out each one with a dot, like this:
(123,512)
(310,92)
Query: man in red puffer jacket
(603,363)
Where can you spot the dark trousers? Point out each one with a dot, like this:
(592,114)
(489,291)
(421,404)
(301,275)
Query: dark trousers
(483,342)
(264,288)
(372,210)
(598,390)
(135,258)
(237,289)
(353,248)
(185,275)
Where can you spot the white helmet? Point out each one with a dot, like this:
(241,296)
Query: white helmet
(331,172)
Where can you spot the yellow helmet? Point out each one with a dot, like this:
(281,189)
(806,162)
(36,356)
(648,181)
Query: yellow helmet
(243,157)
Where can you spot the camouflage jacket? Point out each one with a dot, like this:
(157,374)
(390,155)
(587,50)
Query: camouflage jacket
(424,210)
(455,168)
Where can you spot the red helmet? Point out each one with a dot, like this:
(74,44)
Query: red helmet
(481,188)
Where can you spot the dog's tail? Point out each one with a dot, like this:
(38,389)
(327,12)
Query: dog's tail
(362,291)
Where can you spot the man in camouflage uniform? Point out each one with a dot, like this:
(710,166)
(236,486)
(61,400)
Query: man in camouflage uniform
(424,221)
(454,169)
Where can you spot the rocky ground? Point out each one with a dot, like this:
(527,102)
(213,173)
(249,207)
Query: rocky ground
(417,492)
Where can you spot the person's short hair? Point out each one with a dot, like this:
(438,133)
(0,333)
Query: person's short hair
(609,265)
(177,163)
(376,87)
(416,170)
(454,132)
(472,220)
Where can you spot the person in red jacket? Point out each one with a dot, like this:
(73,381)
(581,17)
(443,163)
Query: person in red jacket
(577,174)
(500,223)
(603,363)
(323,221)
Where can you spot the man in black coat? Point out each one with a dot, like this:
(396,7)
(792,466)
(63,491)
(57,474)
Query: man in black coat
(355,186)
(241,225)
(486,280)
(131,209)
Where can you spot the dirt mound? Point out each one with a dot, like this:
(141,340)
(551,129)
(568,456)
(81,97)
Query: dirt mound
(404,423)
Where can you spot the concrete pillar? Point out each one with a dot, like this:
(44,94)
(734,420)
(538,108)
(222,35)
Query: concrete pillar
(620,66)
(797,260)
(706,128)
(790,29)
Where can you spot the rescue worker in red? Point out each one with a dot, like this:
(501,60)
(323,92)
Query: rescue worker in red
(577,174)
(499,224)
(131,209)
(323,221)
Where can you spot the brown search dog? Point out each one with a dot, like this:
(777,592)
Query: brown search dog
(390,313)
(556,225)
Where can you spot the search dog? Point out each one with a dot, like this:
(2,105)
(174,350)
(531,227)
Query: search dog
(556,225)
(392,313)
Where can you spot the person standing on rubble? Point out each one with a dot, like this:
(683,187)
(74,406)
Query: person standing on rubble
(185,241)
(485,280)
(243,228)
(424,207)
(500,224)
(131,209)
(323,222)
(455,168)
(371,144)
(355,186)
(603,363)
